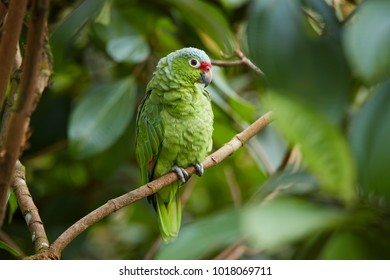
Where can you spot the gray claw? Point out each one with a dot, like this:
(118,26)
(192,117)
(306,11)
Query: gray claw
(199,169)
(181,173)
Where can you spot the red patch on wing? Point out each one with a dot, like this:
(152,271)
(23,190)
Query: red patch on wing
(151,163)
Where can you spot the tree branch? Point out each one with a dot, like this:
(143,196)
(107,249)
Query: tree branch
(3,13)
(9,41)
(13,89)
(35,75)
(243,60)
(117,203)
(29,210)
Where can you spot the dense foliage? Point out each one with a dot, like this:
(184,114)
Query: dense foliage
(313,185)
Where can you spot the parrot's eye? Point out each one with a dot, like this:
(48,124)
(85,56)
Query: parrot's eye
(194,63)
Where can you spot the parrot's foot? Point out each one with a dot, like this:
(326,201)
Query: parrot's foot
(199,169)
(181,173)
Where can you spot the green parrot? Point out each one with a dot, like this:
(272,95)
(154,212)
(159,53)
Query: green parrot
(174,129)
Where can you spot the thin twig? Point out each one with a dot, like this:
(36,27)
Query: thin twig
(29,210)
(185,196)
(35,75)
(233,186)
(295,158)
(117,203)
(152,250)
(243,60)
(233,252)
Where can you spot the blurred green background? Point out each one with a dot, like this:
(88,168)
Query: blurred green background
(327,81)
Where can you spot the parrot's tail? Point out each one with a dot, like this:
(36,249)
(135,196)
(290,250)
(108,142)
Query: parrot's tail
(169,216)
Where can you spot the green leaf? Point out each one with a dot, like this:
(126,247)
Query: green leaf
(324,149)
(210,234)
(280,222)
(367,40)
(132,49)
(63,35)
(370,138)
(209,22)
(288,181)
(122,42)
(346,246)
(294,58)
(9,249)
(230,101)
(101,117)
(104,16)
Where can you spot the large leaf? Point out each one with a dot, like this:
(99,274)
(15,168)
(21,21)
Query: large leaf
(63,35)
(229,101)
(294,58)
(288,181)
(101,117)
(324,149)
(133,49)
(367,40)
(209,21)
(370,138)
(279,222)
(209,235)
(123,42)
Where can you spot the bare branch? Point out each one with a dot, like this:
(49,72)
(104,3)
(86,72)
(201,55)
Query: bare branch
(35,74)
(10,100)
(243,60)
(29,210)
(234,187)
(233,252)
(152,250)
(117,203)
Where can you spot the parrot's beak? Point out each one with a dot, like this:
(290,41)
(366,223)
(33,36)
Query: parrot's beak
(205,74)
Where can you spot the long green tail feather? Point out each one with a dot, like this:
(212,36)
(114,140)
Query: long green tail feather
(169,217)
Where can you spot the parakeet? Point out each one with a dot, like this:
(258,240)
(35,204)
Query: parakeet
(174,129)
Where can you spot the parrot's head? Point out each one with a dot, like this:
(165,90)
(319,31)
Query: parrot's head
(190,65)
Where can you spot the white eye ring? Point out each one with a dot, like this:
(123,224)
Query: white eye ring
(194,63)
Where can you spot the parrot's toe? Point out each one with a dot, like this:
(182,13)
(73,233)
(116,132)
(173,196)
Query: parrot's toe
(181,173)
(199,169)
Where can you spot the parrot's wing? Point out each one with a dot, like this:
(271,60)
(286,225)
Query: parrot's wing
(149,137)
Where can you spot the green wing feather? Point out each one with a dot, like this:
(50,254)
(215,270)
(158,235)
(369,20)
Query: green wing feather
(149,137)
(148,147)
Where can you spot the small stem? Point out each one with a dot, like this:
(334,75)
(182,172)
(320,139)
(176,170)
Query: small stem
(243,61)
(234,187)
(233,252)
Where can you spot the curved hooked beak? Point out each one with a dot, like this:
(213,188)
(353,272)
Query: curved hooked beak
(205,74)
